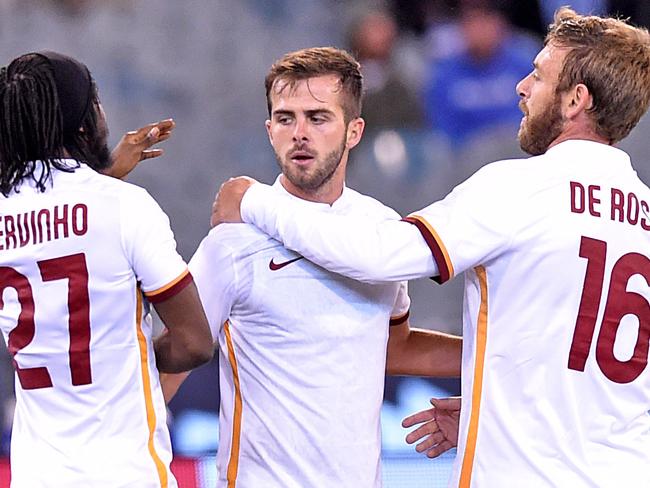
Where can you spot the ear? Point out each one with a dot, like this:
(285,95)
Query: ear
(268,131)
(354,132)
(578,100)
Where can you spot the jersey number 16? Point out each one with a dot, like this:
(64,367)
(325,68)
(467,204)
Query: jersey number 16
(620,302)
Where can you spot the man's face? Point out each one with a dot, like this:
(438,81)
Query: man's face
(543,120)
(309,135)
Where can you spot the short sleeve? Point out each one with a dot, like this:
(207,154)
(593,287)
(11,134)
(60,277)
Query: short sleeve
(473,224)
(151,248)
(400,312)
(213,269)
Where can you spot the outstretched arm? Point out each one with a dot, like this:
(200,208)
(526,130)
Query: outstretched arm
(362,249)
(422,352)
(438,431)
(137,145)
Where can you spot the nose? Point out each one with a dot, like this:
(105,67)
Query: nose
(300,131)
(522,87)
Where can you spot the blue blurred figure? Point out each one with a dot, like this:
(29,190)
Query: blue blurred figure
(471,90)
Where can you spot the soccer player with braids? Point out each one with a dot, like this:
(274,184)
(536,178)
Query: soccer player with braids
(82,255)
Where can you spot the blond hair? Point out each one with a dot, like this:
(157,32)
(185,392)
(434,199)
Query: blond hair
(612,59)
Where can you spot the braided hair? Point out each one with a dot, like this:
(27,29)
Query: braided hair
(31,127)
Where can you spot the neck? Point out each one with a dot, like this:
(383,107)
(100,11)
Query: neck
(327,193)
(579,134)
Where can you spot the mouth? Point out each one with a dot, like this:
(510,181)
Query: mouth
(301,158)
(524,110)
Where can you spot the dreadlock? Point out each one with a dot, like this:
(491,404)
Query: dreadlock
(31,127)
(89,145)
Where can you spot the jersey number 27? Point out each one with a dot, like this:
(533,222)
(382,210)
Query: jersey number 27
(74,269)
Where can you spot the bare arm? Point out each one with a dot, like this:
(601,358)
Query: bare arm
(171,382)
(422,352)
(187,342)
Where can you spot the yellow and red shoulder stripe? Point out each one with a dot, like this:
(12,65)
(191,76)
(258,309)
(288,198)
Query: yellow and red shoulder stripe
(170,289)
(438,249)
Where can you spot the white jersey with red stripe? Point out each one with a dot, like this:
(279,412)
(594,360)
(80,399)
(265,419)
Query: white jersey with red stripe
(302,357)
(75,261)
(555,250)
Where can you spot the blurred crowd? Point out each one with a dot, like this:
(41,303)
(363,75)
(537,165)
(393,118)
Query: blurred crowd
(440,101)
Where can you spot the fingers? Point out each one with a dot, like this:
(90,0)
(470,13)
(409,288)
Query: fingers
(422,431)
(163,137)
(227,204)
(249,181)
(417,418)
(165,128)
(446,403)
(439,449)
(430,442)
(151,153)
(140,135)
(166,125)
(151,134)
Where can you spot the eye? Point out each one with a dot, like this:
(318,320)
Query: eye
(284,119)
(318,119)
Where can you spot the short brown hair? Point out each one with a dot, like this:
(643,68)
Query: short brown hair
(320,61)
(612,59)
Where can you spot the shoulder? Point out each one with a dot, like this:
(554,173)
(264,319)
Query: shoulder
(98,183)
(123,189)
(497,184)
(504,172)
(365,204)
(234,239)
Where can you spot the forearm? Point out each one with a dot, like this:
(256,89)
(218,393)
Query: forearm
(422,352)
(174,355)
(353,246)
(170,383)
(187,340)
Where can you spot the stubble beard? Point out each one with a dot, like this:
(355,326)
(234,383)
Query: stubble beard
(537,133)
(317,175)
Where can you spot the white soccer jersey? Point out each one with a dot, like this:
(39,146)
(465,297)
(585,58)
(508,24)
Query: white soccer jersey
(74,263)
(302,357)
(555,251)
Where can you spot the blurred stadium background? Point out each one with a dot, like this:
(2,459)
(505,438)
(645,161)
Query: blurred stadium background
(203,63)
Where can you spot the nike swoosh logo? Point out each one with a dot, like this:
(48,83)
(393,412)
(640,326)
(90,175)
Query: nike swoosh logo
(273,266)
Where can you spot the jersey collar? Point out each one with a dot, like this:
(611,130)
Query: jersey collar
(323,207)
(593,151)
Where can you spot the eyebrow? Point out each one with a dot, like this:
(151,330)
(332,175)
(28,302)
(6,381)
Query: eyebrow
(309,113)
